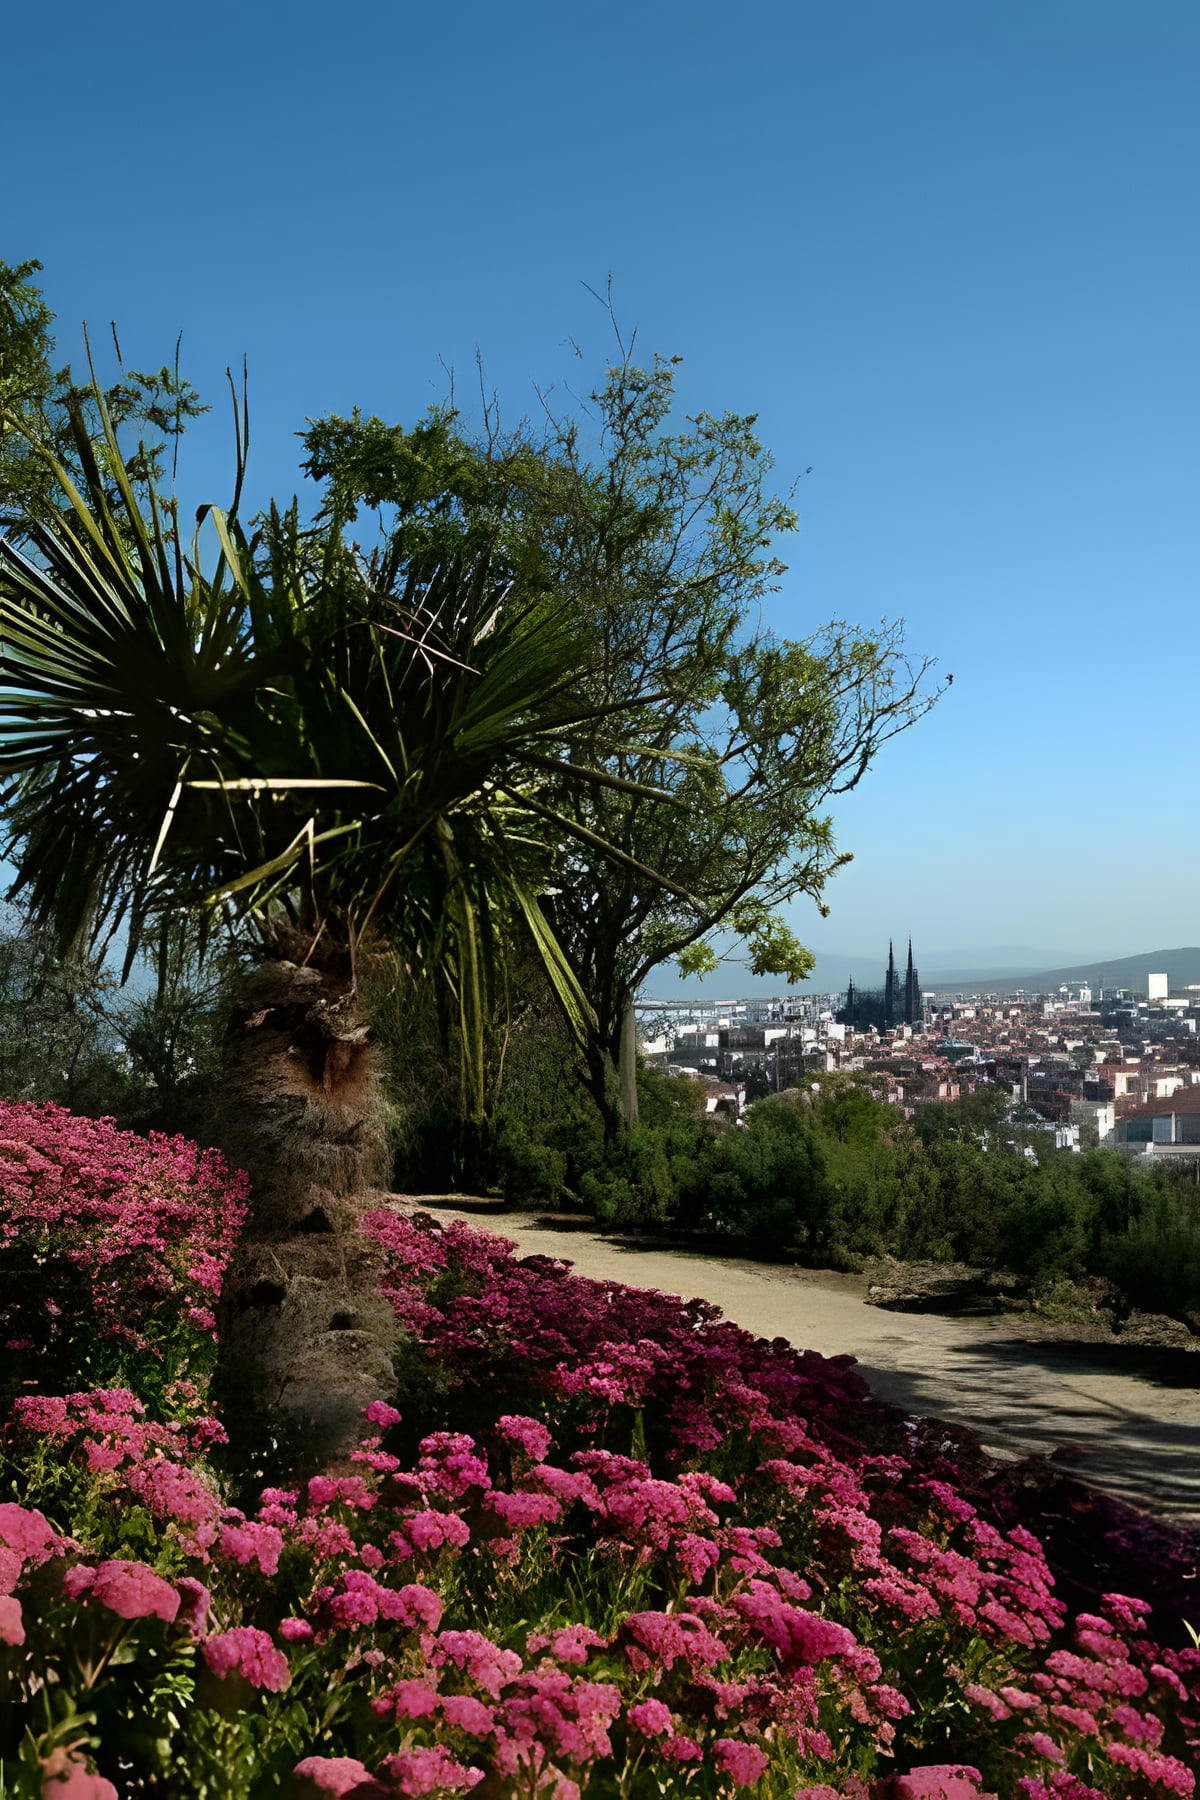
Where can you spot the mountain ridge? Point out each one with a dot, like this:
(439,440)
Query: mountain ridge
(832,971)
(1181,966)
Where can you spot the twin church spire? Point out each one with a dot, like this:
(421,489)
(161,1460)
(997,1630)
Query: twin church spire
(902,1000)
(897,1003)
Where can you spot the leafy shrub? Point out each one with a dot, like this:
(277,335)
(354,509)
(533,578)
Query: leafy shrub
(1155,1259)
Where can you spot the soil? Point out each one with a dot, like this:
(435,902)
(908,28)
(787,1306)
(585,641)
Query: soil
(1115,1403)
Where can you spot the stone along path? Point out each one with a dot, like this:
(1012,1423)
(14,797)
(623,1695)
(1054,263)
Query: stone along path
(1125,1419)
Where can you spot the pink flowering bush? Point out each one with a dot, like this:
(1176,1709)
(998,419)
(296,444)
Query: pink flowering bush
(606,1543)
(112,1248)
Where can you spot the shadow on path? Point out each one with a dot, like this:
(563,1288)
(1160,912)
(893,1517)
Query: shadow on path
(1060,1401)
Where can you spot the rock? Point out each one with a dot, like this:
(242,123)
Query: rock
(928,1287)
(1157,1331)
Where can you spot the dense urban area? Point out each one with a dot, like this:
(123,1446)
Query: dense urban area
(1086,1067)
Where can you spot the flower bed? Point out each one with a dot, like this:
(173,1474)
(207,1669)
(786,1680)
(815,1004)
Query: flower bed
(615,1545)
(112,1248)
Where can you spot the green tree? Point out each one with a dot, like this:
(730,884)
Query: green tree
(659,542)
(37,398)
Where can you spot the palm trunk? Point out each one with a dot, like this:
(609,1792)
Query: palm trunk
(306,1341)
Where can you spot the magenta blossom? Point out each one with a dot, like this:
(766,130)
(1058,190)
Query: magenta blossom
(429,1770)
(743,1763)
(381,1414)
(70,1779)
(129,1589)
(651,1718)
(319,1776)
(25,1530)
(250,1653)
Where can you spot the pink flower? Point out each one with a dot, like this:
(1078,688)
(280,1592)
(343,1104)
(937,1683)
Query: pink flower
(667,1638)
(569,1644)
(1040,1745)
(251,1543)
(528,1434)
(430,1530)
(248,1652)
(295,1631)
(416,1607)
(381,1414)
(742,1762)
(681,1750)
(468,1714)
(12,1630)
(409,1700)
(520,1511)
(323,1775)
(488,1666)
(799,1638)
(651,1718)
(1163,1771)
(1143,1728)
(133,1591)
(25,1530)
(71,1781)
(942,1781)
(429,1770)
(194,1603)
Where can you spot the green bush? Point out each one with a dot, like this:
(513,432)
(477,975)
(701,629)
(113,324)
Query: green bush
(1155,1260)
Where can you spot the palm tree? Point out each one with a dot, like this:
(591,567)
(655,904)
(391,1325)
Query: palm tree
(326,766)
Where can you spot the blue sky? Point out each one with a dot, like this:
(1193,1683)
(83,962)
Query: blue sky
(947,252)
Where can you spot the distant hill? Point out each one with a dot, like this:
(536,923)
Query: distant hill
(1181,967)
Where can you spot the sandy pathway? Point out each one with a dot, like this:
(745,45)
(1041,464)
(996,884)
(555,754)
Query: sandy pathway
(1124,1419)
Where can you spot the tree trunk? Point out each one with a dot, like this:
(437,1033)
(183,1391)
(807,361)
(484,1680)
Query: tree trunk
(610,1056)
(306,1340)
(627,1064)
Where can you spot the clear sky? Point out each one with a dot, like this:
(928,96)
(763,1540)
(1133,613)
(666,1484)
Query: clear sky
(948,252)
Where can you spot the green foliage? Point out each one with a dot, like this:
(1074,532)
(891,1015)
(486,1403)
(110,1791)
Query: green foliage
(656,536)
(1155,1259)
(148,1056)
(37,399)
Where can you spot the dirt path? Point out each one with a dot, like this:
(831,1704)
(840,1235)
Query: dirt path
(1122,1418)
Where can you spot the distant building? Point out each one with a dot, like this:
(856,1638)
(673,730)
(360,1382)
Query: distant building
(1157,987)
(897,1002)
(1163,1126)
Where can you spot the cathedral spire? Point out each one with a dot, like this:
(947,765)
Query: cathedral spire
(912,991)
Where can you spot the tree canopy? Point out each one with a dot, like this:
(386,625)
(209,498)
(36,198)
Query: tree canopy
(658,540)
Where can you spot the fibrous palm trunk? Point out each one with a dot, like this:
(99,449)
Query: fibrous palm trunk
(306,1340)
